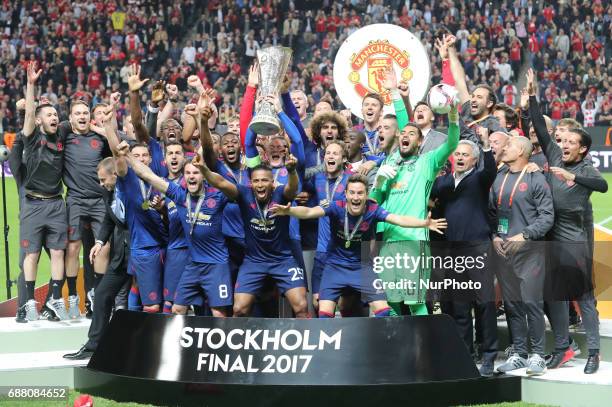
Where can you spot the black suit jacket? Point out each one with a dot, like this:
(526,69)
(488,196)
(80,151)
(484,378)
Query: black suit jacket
(466,207)
(118,234)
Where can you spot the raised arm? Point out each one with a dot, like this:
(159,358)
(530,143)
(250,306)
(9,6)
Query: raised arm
(169,107)
(205,110)
(448,44)
(135,84)
(390,83)
(551,150)
(248,101)
(29,123)
(444,151)
(293,114)
(291,189)
(141,170)
(157,95)
(215,180)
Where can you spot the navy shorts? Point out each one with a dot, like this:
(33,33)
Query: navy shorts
(175,262)
(317,271)
(337,280)
(148,271)
(286,273)
(205,279)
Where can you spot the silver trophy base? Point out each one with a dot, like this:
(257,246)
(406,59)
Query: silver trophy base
(265,126)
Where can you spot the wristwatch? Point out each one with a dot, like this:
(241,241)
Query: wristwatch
(525,235)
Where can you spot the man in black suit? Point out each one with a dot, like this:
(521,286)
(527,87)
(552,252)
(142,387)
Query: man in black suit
(464,194)
(115,229)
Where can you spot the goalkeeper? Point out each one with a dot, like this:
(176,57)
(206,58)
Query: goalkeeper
(403,184)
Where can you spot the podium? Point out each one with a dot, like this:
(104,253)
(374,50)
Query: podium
(185,360)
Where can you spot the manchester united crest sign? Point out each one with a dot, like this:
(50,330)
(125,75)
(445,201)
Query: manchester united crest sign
(363,58)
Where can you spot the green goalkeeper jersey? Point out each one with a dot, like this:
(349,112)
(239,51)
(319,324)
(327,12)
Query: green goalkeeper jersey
(408,192)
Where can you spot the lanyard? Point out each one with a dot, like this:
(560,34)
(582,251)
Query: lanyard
(229,170)
(373,147)
(501,189)
(263,214)
(349,236)
(278,170)
(330,196)
(193,219)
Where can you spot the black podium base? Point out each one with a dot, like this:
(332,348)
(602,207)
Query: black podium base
(164,393)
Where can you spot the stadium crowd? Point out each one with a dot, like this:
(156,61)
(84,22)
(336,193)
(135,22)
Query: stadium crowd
(181,206)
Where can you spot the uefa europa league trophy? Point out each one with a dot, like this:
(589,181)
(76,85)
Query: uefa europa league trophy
(273,64)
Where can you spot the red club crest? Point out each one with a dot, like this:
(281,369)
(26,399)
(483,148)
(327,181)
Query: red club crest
(522,187)
(153,296)
(25,243)
(94,144)
(283,172)
(211,203)
(364,226)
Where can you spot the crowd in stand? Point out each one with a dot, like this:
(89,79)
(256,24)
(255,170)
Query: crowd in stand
(182,207)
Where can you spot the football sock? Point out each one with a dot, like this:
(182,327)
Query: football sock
(72,290)
(56,287)
(134,303)
(30,289)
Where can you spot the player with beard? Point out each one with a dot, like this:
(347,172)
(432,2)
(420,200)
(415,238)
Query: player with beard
(200,209)
(477,107)
(232,169)
(403,186)
(324,128)
(572,179)
(521,207)
(352,222)
(42,217)
(177,251)
(328,186)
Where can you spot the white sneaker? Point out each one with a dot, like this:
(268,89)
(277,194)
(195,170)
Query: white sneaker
(73,307)
(536,365)
(514,362)
(59,308)
(31,311)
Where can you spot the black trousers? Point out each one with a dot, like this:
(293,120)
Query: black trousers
(112,283)
(459,303)
(522,281)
